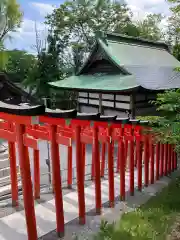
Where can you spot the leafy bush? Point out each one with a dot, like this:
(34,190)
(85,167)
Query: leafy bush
(151,119)
(167,129)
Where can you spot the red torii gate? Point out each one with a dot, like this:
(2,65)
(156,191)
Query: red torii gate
(20,125)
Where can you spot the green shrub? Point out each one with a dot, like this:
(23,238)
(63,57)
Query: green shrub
(151,119)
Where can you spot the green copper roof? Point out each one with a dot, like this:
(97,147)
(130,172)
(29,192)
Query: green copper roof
(144,64)
(97,82)
(130,54)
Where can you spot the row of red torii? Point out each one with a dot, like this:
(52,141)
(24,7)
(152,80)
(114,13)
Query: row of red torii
(26,125)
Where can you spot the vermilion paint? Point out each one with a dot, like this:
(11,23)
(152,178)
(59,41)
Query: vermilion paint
(80,177)
(110,170)
(36,174)
(103,154)
(146,161)
(157,160)
(165,159)
(69,183)
(121,146)
(161,159)
(26,184)
(96,158)
(139,162)
(152,162)
(131,166)
(13,169)
(57,181)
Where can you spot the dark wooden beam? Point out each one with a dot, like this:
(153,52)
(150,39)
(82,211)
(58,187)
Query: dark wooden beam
(100,103)
(132,106)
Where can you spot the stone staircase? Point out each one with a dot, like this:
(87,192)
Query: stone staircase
(5,179)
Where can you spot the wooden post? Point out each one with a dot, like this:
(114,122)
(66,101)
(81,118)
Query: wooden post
(118,157)
(169,159)
(146,161)
(152,162)
(161,159)
(97,169)
(26,184)
(165,158)
(172,167)
(36,175)
(100,103)
(69,183)
(103,154)
(131,167)
(83,145)
(80,177)
(78,106)
(57,181)
(13,169)
(132,106)
(122,169)
(139,163)
(92,166)
(157,160)
(110,169)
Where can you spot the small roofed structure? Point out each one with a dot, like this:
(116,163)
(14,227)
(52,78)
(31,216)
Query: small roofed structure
(12,94)
(122,74)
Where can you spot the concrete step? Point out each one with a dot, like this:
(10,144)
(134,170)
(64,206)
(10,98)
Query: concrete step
(7,180)
(4,190)
(4,155)
(4,163)
(3,148)
(5,172)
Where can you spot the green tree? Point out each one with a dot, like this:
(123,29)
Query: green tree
(3,57)
(19,64)
(10,17)
(46,69)
(168,129)
(149,28)
(176,5)
(174,28)
(74,23)
(168,103)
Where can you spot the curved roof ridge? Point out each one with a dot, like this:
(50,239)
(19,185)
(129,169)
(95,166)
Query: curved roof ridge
(129,39)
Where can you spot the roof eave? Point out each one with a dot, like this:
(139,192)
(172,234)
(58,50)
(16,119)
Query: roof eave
(95,90)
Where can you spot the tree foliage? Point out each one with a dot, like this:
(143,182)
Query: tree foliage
(3,57)
(19,64)
(46,69)
(75,24)
(174,28)
(149,28)
(176,6)
(168,130)
(10,17)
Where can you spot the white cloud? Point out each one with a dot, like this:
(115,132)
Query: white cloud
(141,8)
(43,8)
(25,37)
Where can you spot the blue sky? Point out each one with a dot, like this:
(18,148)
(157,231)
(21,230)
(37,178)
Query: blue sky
(36,10)
(33,11)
